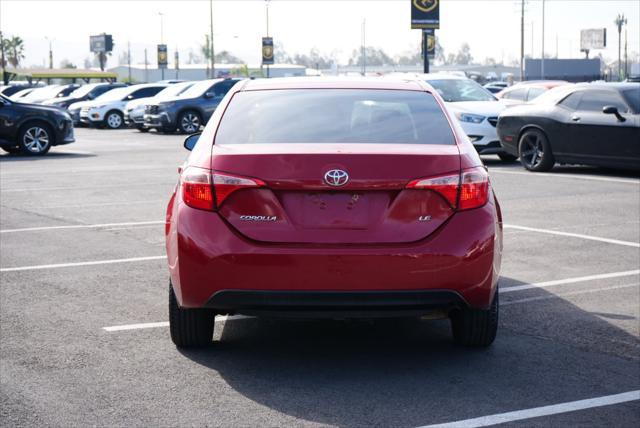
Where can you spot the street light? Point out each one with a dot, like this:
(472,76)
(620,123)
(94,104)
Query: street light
(50,52)
(620,21)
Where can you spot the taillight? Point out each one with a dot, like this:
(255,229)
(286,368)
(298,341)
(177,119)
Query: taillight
(474,188)
(225,184)
(196,188)
(464,191)
(199,186)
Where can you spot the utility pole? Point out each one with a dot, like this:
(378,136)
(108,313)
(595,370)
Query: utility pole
(146,67)
(620,21)
(626,58)
(522,40)
(364,47)
(161,39)
(50,52)
(267,13)
(213,64)
(542,61)
(129,59)
(5,79)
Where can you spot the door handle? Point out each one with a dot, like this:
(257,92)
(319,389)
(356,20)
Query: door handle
(575,118)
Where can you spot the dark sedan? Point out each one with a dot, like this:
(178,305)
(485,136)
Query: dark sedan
(191,109)
(588,124)
(32,129)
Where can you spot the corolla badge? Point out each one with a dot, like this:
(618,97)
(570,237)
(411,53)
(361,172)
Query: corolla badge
(336,177)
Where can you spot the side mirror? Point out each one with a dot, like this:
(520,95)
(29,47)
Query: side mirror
(614,111)
(191,141)
(209,95)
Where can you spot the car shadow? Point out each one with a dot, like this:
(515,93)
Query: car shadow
(408,372)
(10,157)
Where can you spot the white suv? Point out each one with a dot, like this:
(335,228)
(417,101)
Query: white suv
(108,109)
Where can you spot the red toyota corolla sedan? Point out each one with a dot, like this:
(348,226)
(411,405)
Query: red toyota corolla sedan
(333,198)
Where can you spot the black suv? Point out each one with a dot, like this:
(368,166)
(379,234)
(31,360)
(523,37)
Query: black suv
(191,109)
(83,93)
(32,129)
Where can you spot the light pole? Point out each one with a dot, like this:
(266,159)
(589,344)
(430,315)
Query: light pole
(161,39)
(212,53)
(542,61)
(522,41)
(50,52)
(266,4)
(620,21)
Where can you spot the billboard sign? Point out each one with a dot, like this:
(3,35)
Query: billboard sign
(430,42)
(267,50)
(425,14)
(595,38)
(163,59)
(101,43)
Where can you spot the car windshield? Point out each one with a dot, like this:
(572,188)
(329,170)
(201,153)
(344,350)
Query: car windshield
(44,93)
(633,98)
(319,116)
(197,89)
(456,90)
(83,90)
(174,90)
(116,94)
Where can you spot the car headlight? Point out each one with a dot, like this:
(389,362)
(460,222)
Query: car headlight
(471,118)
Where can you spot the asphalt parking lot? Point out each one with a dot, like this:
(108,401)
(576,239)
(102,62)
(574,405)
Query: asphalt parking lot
(83,311)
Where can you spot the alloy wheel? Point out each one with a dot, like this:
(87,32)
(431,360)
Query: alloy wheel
(532,150)
(190,123)
(114,121)
(36,139)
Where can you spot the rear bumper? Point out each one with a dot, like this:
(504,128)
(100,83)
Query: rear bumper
(335,303)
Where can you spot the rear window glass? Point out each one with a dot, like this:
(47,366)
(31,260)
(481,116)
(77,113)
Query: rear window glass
(633,98)
(334,116)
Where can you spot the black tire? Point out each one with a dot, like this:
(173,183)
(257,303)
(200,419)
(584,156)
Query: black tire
(11,150)
(535,151)
(114,119)
(189,122)
(506,157)
(189,327)
(476,327)
(35,139)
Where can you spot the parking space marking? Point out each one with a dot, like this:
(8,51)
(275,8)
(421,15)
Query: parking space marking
(91,263)
(537,412)
(222,318)
(560,175)
(82,226)
(570,293)
(570,280)
(573,235)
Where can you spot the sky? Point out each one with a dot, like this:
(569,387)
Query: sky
(491,27)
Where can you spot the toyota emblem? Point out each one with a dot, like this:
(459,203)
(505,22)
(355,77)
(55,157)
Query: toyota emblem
(336,177)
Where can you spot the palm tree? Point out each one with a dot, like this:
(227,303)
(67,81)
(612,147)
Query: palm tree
(14,50)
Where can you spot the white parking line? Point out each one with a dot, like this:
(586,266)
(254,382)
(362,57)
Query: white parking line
(82,226)
(571,293)
(561,175)
(537,412)
(92,263)
(222,318)
(570,280)
(574,235)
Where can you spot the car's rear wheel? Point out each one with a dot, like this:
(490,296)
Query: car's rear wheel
(114,120)
(189,327)
(535,151)
(189,122)
(35,139)
(506,157)
(476,327)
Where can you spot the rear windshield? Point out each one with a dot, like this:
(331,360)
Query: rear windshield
(334,116)
(633,98)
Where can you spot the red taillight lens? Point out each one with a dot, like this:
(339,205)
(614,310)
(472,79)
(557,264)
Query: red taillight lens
(196,188)
(225,184)
(474,188)
(446,185)
(465,191)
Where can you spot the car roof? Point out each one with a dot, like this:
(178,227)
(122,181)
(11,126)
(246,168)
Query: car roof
(333,83)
